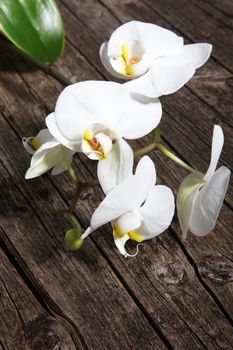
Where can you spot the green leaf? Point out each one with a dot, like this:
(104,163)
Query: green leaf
(72,239)
(34,26)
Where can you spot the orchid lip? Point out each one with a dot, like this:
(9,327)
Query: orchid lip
(132,61)
(97,143)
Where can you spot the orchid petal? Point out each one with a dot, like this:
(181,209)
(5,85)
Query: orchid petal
(50,154)
(158,210)
(126,223)
(141,116)
(105,142)
(217,145)
(185,199)
(106,62)
(208,203)
(44,149)
(63,160)
(118,201)
(127,196)
(88,231)
(85,103)
(161,80)
(117,167)
(27,144)
(120,244)
(42,137)
(146,168)
(155,40)
(195,54)
(43,164)
(52,126)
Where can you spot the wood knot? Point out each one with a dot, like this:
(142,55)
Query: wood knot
(171,273)
(216,269)
(41,334)
(87,194)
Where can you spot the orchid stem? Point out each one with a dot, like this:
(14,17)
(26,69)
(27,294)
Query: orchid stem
(55,74)
(174,158)
(144,150)
(47,69)
(73,175)
(156,145)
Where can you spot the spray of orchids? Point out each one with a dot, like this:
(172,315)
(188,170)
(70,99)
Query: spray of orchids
(98,117)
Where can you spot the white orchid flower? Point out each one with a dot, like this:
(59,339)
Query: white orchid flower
(155,58)
(136,208)
(200,196)
(93,117)
(47,153)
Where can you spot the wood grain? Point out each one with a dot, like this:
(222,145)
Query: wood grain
(174,294)
(24,323)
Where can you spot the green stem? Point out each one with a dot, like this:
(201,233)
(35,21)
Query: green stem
(174,158)
(73,175)
(47,69)
(144,150)
(153,146)
(55,74)
(75,221)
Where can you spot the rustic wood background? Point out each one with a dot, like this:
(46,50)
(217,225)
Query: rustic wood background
(174,294)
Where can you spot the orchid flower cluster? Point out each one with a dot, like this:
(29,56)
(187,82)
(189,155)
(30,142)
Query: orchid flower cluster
(98,117)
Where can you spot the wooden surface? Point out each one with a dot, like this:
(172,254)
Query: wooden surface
(174,294)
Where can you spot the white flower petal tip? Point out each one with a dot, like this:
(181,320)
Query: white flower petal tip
(155,58)
(86,233)
(200,197)
(198,54)
(216,149)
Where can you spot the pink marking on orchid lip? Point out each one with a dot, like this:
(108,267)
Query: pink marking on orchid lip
(134,60)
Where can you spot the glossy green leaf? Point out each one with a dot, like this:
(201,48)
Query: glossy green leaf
(72,239)
(34,26)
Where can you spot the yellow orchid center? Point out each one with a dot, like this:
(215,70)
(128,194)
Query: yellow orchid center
(128,61)
(94,144)
(36,143)
(135,236)
(119,233)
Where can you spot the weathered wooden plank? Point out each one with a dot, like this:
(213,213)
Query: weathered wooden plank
(224,6)
(24,323)
(187,332)
(186,16)
(185,342)
(216,11)
(81,288)
(193,332)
